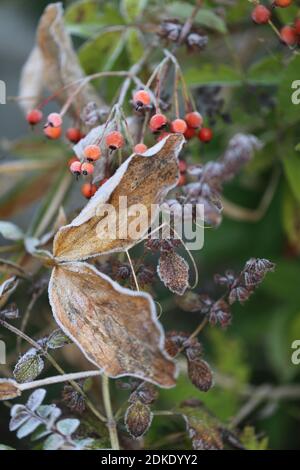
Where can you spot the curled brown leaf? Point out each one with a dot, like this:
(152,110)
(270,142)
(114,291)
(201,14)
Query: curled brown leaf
(141,179)
(53,64)
(115,328)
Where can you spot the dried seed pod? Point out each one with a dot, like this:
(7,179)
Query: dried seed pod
(138,419)
(200,374)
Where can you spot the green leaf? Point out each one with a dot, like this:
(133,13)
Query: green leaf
(131,9)
(85,18)
(134,45)
(208,74)
(10,231)
(291,165)
(205,17)
(267,71)
(101,53)
(291,218)
(287,110)
(83,11)
(251,441)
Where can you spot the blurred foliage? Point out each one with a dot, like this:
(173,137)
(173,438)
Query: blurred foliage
(255,72)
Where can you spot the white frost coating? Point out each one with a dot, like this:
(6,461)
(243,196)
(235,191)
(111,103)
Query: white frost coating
(123,290)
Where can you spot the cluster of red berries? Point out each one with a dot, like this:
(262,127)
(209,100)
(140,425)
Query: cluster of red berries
(53,126)
(158,122)
(114,140)
(289,34)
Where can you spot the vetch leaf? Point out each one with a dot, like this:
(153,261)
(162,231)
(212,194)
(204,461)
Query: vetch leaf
(67,426)
(36,399)
(173,271)
(141,179)
(53,442)
(28,427)
(18,420)
(116,328)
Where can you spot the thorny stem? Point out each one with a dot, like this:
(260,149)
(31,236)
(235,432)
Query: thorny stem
(34,344)
(111,423)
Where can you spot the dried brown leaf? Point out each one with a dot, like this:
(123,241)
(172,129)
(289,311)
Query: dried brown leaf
(143,179)
(173,271)
(9,389)
(116,328)
(53,64)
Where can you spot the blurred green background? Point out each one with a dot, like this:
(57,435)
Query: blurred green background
(254,72)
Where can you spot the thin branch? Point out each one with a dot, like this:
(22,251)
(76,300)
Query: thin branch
(37,346)
(111,423)
(58,379)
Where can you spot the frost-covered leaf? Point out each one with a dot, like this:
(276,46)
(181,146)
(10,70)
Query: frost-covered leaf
(36,399)
(9,389)
(173,271)
(53,64)
(57,339)
(67,426)
(45,410)
(10,231)
(53,416)
(18,420)
(138,419)
(142,180)
(28,367)
(53,442)
(28,427)
(116,328)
